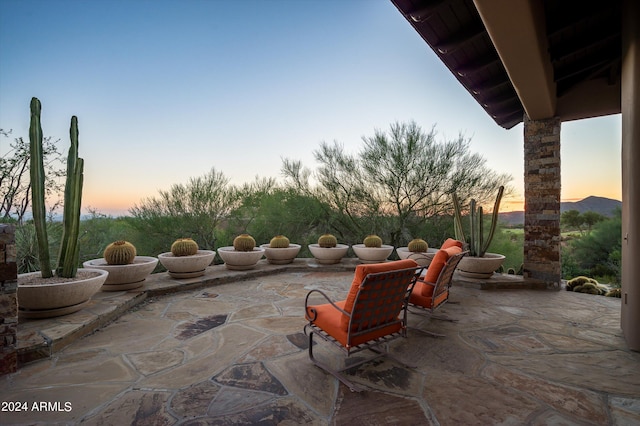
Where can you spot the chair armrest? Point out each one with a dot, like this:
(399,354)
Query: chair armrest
(313,311)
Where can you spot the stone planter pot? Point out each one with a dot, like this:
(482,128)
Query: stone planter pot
(187,266)
(480,267)
(124,277)
(281,256)
(240,260)
(422,259)
(328,255)
(372,254)
(41,300)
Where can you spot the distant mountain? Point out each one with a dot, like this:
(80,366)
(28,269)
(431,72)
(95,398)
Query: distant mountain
(601,205)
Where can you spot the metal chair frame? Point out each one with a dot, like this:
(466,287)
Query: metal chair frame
(441,286)
(367,317)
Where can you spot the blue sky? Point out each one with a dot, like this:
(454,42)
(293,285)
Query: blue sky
(166,90)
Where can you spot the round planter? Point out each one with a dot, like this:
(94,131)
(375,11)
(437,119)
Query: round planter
(124,277)
(372,254)
(281,256)
(422,259)
(187,266)
(42,300)
(480,267)
(240,260)
(328,255)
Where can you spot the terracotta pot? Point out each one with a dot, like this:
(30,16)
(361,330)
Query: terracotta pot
(240,260)
(124,277)
(187,266)
(480,267)
(422,259)
(59,298)
(328,255)
(372,254)
(281,256)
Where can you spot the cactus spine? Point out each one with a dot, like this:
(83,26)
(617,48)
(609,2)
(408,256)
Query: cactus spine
(327,241)
(417,245)
(372,241)
(478,244)
(184,247)
(244,242)
(67,266)
(120,253)
(279,241)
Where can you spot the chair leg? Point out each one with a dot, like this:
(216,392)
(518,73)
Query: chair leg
(352,386)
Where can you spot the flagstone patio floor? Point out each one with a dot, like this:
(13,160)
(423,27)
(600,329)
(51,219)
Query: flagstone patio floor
(228,348)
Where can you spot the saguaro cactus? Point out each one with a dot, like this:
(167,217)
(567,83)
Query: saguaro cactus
(478,245)
(67,266)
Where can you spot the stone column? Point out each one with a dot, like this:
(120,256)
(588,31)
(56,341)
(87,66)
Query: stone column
(542,200)
(630,105)
(8,300)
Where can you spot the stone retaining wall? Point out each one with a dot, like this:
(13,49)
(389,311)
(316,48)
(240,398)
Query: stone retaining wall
(8,300)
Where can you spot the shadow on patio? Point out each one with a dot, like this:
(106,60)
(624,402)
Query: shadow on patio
(229,349)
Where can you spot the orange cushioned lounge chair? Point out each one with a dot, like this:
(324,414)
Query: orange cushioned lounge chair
(432,291)
(373,313)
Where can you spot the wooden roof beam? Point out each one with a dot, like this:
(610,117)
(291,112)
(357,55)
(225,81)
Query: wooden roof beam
(517,30)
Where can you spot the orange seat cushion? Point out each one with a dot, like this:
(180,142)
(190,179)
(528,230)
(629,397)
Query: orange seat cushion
(450,242)
(436,266)
(419,296)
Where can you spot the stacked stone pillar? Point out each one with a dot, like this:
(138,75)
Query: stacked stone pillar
(8,300)
(542,200)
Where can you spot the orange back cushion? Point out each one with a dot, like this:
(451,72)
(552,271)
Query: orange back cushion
(361,273)
(450,242)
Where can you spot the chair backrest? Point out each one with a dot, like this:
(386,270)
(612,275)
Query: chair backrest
(380,299)
(445,277)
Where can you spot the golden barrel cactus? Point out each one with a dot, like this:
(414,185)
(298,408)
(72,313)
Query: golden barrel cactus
(279,241)
(372,241)
(417,245)
(327,241)
(184,247)
(244,242)
(119,253)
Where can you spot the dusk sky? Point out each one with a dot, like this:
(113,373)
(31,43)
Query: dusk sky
(166,90)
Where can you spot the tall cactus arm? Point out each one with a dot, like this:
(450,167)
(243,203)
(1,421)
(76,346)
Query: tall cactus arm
(36,170)
(494,220)
(457,220)
(69,253)
(473,228)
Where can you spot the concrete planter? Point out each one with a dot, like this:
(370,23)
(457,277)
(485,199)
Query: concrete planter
(240,260)
(372,254)
(421,258)
(124,277)
(42,300)
(187,266)
(480,267)
(328,255)
(281,256)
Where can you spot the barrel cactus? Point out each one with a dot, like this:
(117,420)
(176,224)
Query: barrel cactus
(615,292)
(578,281)
(244,242)
(417,245)
(372,241)
(120,253)
(184,247)
(279,241)
(327,241)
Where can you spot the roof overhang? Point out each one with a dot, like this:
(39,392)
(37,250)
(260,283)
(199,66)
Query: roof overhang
(544,57)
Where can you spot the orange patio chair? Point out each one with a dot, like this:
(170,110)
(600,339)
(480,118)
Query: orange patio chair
(373,313)
(432,291)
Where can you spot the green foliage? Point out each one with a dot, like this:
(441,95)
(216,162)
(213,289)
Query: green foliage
(596,254)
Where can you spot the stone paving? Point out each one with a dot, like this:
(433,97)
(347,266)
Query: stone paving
(233,352)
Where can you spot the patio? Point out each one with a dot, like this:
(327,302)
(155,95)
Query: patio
(228,348)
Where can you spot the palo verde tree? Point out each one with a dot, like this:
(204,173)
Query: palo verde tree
(193,210)
(398,180)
